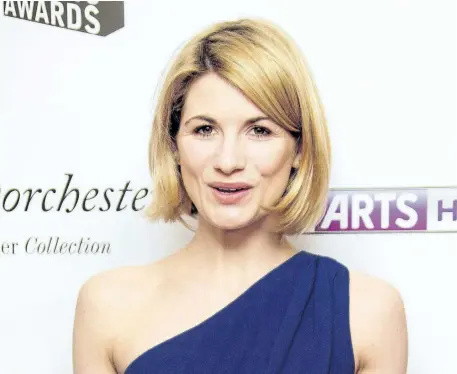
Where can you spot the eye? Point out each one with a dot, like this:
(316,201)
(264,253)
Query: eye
(261,132)
(204,130)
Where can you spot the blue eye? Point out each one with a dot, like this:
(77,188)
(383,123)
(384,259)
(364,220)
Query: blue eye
(204,130)
(261,132)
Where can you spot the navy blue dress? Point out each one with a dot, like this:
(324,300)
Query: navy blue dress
(294,320)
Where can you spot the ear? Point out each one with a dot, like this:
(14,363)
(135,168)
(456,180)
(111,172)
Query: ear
(175,153)
(298,153)
(297,160)
(176,157)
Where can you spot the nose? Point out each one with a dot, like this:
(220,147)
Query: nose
(230,155)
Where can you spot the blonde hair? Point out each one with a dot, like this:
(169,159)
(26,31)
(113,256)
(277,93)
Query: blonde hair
(261,60)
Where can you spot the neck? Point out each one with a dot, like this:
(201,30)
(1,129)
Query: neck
(216,248)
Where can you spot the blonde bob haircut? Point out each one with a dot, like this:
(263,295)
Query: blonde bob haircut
(263,62)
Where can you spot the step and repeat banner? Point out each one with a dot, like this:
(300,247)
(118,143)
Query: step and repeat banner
(77,92)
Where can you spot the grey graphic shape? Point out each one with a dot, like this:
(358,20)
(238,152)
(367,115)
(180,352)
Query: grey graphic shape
(110,14)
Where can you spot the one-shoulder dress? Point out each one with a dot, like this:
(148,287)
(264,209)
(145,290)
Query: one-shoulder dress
(293,320)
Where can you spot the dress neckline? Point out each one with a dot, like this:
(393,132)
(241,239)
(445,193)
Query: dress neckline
(219,312)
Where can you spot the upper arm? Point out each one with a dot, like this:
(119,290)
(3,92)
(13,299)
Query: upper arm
(91,336)
(381,328)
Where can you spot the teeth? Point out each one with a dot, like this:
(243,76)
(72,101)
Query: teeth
(229,189)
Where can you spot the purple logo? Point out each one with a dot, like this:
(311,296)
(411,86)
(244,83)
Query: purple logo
(422,209)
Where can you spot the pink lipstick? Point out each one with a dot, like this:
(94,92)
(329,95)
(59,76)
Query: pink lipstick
(230,193)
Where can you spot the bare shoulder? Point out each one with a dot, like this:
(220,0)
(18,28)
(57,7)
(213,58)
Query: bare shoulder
(109,287)
(374,293)
(103,303)
(111,293)
(378,325)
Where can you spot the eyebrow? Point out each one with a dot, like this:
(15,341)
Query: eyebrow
(213,121)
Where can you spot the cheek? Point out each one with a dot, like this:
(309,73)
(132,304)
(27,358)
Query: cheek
(274,165)
(191,167)
(272,160)
(193,161)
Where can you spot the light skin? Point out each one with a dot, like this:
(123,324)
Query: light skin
(226,138)
(219,141)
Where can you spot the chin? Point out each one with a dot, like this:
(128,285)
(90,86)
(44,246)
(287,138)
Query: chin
(230,225)
(234,220)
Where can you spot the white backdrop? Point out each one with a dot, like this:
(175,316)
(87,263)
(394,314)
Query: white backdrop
(76,103)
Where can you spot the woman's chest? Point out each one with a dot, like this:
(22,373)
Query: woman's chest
(166,318)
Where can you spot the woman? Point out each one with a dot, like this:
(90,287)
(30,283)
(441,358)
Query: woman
(239,142)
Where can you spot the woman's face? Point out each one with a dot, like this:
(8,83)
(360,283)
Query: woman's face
(233,158)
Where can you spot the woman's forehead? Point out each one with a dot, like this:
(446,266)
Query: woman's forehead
(208,118)
(214,98)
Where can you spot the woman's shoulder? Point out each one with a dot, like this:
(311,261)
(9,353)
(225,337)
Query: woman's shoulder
(375,303)
(373,299)
(376,315)
(374,290)
(119,287)
(106,286)
(362,286)
(370,296)
(108,304)
(106,298)
(378,323)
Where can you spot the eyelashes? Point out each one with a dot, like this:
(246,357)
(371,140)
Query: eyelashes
(206,131)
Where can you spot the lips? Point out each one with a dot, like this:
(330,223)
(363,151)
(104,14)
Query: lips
(230,187)
(228,190)
(230,193)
